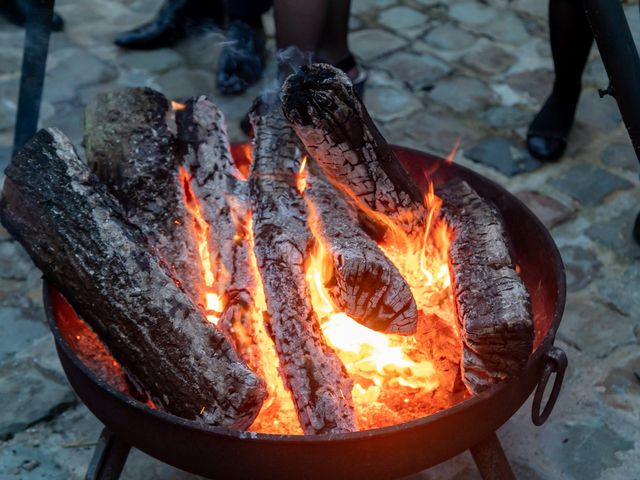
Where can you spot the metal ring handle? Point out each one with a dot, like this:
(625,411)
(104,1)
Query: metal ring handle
(555,361)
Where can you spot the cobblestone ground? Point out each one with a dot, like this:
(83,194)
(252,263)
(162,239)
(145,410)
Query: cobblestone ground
(438,71)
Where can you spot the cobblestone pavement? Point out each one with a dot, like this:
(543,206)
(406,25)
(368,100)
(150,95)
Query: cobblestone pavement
(438,71)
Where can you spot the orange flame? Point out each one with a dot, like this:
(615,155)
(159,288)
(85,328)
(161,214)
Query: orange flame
(452,154)
(177,105)
(301,177)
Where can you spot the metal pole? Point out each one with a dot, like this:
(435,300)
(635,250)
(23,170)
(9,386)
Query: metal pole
(491,461)
(620,59)
(34,61)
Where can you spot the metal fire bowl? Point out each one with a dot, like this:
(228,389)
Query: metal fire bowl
(380,453)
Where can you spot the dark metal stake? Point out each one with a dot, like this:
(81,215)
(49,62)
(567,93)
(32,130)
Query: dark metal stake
(34,61)
(620,59)
(108,458)
(491,461)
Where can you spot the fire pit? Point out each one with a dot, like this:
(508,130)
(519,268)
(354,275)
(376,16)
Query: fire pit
(379,453)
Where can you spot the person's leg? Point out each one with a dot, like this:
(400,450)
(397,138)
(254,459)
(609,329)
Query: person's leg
(571,40)
(176,20)
(242,59)
(16,12)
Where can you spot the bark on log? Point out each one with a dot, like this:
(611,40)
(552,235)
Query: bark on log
(338,132)
(365,284)
(130,147)
(492,302)
(223,196)
(319,383)
(78,235)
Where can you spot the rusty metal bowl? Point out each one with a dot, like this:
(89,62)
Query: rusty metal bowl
(380,453)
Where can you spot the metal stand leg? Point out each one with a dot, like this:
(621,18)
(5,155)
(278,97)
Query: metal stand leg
(491,460)
(109,457)
(34,61)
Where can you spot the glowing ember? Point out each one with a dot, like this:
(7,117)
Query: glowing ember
(177,105)
(301,178)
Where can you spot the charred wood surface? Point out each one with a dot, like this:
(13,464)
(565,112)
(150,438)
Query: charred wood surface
(365,284)
(492,302)
(130,147)
(318,381)
(223,196)
(338,132)
(78,235)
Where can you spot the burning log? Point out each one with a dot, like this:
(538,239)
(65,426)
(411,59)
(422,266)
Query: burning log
(223,197)
(365,284)
(492,302)
(338,132)
(130,147)
(319,383)
(78,235)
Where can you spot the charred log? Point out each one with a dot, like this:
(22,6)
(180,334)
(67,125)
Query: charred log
(130,147)
(492,302)
(223,196)
(338,132)
(365,284)
(318,381)
(78,235)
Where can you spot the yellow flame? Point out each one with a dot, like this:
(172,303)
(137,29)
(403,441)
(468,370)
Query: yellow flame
(301,177)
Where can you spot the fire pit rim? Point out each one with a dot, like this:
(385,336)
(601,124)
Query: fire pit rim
(535,358)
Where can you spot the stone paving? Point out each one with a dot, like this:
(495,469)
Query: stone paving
(439,71)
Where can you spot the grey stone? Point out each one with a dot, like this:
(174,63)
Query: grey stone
(622,386)
(534,83)
(17,331)
(462,94)
(620,155)
(506,117)
(449,37)
(589,448)
(30,391)
(365,6)
(550,211)
(502,155)
(598,113)
(418,71)
(621,290)
(370,44)
(389,103)
(472,13)
(10,60)
(401,18)
(428,3)
(29,463)
(75,68)
(589,184)
(183,83)
(506,28)
(7,114)
(156,61)
(490,60)
(595,74)
(5,156)
(581,267)
(15,263)
(616,234)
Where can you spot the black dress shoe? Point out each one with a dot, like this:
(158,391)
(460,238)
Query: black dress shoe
(176,20)
(242,58)
(547,147)
(17,11)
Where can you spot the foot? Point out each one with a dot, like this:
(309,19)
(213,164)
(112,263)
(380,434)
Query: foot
(549,131)
(242,58)
(17,11)
(176,20)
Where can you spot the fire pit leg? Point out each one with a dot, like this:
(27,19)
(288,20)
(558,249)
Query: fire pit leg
(109,457)
(491,460)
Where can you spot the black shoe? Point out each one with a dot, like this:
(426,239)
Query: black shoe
(17,11)
(242,58)
(636,230)
(176,20)
(549,131)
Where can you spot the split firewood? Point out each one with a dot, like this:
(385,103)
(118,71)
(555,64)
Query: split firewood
(319,382)
(366,285)
(338,132)
(223,197)
(78,235)
(130,147)
(492,302)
